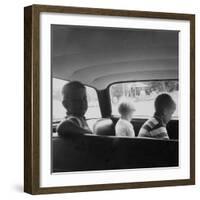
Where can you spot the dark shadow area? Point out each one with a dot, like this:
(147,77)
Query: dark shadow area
(90,152)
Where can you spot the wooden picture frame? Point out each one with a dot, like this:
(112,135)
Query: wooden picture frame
(32,107)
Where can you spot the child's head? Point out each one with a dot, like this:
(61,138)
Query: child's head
(74,98)
(164,107)
(126,109)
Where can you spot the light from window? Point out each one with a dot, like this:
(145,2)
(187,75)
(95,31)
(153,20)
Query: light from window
(143,95)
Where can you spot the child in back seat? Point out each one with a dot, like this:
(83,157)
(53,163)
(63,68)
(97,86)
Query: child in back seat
(123,127)
(155,127)
(75,102)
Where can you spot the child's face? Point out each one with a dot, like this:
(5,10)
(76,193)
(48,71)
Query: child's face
(77,102)
(167,115)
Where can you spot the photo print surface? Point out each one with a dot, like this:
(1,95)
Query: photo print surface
(114,98)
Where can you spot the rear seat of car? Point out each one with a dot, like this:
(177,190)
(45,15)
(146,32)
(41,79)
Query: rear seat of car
(94,152)
(106,126)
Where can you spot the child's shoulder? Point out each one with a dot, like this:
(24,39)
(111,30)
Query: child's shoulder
(153,120)
(71,119)
(124,122)
(151,123)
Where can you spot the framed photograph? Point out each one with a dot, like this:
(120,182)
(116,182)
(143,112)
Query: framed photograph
(109,99)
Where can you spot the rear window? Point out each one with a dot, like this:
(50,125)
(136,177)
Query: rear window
(59,112)
(143,95)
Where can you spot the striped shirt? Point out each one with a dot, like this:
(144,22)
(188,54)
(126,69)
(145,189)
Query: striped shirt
(154,128)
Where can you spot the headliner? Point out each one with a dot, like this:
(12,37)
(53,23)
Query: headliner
(98,56)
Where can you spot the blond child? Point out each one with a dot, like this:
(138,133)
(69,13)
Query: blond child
(123,127)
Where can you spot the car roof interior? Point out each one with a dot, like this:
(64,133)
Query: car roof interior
(99,56)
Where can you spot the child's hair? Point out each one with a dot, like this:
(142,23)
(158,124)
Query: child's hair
(70,87)
(125,107)
(162,102)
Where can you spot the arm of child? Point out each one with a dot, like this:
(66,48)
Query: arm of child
(67,128)
(130,131)
(163,135)
(143,133)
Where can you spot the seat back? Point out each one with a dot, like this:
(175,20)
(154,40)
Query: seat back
(104,126)
(91,152)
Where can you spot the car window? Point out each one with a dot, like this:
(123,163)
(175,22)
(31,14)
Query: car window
(59,112)
(143,94)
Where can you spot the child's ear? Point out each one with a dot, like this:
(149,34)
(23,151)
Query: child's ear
(164,111)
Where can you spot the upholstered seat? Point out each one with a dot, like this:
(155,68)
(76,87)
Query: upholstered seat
(104,126)
(92,152)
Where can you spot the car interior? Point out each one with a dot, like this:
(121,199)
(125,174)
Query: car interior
(100,57)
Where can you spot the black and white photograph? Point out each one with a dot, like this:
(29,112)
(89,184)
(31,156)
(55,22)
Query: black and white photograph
(114,98)
(109,99)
